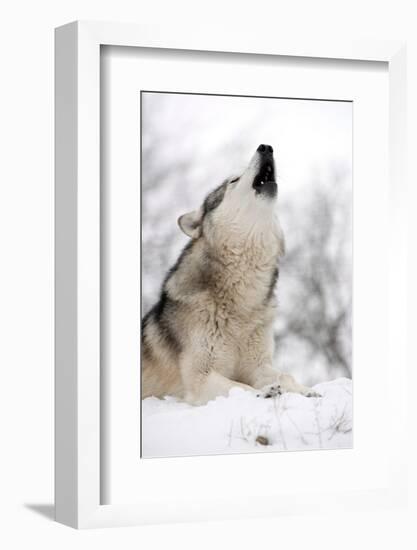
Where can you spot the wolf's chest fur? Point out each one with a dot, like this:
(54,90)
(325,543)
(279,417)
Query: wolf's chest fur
(230,293)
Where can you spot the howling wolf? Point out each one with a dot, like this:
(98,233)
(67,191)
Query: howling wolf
(212,328)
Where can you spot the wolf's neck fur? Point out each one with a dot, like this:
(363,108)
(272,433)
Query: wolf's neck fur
(244,268)
(234,272)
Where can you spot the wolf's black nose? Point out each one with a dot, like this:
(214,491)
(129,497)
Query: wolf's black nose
(265,149)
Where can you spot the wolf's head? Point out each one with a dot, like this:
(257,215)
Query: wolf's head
(240,206)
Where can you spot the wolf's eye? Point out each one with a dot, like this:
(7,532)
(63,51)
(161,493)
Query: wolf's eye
(234,180)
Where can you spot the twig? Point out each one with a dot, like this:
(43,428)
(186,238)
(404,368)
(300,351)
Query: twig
(316,415)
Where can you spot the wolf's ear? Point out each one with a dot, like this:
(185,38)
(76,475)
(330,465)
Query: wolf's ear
(191,223)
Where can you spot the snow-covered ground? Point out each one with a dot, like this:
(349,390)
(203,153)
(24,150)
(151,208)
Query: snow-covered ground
(244,423)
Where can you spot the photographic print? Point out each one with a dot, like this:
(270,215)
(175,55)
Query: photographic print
(246,282)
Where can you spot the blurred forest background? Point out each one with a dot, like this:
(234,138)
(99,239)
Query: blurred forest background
(191,143)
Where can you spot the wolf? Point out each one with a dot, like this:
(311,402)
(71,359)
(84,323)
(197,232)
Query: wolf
(212,328)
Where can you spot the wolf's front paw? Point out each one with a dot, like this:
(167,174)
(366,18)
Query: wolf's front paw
(308,392)
(271,390)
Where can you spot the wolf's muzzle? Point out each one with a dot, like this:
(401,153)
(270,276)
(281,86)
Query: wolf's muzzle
(265,150)
(264,182)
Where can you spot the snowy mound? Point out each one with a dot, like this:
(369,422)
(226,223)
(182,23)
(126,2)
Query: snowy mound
(245,423)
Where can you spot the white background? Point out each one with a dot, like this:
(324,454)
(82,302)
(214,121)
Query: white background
(26,300)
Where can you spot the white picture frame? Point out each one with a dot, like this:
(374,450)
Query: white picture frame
(77,211)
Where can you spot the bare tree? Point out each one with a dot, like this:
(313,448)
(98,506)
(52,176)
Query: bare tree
(316,293)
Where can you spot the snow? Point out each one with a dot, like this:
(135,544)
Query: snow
(242,422)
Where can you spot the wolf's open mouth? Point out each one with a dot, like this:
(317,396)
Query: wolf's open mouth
(264,182)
